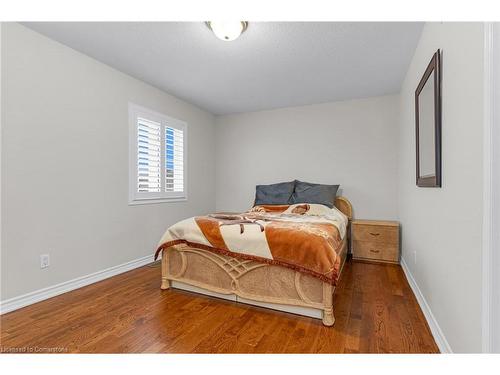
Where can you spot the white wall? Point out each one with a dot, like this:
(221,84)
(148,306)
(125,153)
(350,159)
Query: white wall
(444,226)
(65,164)
(494,266)
(1,121)
(351,143)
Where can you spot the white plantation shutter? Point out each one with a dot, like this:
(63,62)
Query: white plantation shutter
(174,159)
(157,157)
(148,156)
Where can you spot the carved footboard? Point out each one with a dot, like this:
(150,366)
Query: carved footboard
(248,279)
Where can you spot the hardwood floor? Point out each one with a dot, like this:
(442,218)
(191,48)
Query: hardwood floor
(375,310)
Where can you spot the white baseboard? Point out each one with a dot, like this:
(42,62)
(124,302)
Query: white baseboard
(438,334)
(52,291)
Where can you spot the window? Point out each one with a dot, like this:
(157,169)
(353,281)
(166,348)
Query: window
(157,157)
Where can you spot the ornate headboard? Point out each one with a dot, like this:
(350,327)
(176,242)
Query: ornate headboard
(344,205)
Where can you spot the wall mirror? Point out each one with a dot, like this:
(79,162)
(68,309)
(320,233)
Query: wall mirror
(428,125)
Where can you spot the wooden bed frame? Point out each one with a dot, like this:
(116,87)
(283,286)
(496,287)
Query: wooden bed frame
(251,282)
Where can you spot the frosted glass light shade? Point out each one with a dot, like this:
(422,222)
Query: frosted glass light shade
(227,30)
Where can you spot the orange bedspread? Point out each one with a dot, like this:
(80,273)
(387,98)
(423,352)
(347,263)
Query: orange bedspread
(304,237)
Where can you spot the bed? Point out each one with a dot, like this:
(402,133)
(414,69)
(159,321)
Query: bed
(253,280)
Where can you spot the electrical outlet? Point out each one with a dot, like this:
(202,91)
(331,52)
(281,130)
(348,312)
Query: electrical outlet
(44,260)
(415,257)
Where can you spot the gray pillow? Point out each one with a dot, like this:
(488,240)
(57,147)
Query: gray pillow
(280,193)
(306,192)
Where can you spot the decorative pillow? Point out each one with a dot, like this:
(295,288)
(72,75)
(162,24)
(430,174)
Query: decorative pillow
(280,193)
(305,192)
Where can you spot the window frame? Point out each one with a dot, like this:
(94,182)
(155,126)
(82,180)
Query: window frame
(134,112)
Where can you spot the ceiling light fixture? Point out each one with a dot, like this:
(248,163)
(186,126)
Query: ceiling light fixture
(227,30)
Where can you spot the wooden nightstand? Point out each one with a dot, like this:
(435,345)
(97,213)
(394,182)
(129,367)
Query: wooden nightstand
(375,240)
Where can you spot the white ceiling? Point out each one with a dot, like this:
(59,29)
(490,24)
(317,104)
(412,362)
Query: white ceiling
(272,65)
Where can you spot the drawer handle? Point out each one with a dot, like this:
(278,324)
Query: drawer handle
(375,234)
(374,251)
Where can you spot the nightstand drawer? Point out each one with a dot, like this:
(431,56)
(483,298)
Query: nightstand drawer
(375,233)
(387,252)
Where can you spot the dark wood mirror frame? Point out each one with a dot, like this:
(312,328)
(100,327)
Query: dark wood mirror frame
(434,71)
